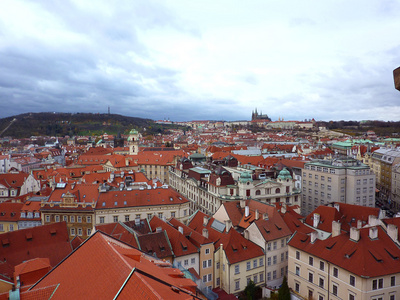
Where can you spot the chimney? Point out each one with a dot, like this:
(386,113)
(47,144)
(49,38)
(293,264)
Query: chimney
(205,233)
(372,220)
(314,235)
(180,229)
(158,229)
(257,214)
(354,234)
(205,221)
(335,228)
(228,225)
(242,203)
(316,220)
(283,208)
(336,205)
(393,232)
(246,234)
(246,211)
(359,224)
(265,216)
(373,233)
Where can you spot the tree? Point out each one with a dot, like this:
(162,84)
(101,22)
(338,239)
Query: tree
(251,292)
(284,292)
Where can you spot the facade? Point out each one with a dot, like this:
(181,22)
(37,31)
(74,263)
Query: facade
(128,205)
(207,189)
(343,180)
(74,204)
(9,216)
(362,264)
(383,161)
(15,184)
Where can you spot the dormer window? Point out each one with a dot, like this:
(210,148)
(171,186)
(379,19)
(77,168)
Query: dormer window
(23,215)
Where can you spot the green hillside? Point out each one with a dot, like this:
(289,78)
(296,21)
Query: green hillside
(62,124)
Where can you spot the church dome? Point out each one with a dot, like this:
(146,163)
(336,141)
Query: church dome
(284,174)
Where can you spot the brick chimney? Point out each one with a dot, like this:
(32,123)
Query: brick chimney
(228,225)
(372,220)
(354,234)
(373,233)
(205,233)
(393,232)
(283,208)
(314,236)
(316,219)
(336,226)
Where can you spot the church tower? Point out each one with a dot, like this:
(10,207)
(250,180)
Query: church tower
(133,142)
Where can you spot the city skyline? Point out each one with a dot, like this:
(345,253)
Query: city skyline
(201,61)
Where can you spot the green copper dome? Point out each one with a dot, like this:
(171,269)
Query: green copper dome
(284,174)
(245,177)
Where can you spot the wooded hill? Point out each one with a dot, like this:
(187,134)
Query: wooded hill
(62,124)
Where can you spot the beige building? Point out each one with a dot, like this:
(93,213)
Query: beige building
(383,160)
(343,180)
(127,205)
(362,264)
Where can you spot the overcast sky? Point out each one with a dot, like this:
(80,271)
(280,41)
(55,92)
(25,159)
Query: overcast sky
(197,60)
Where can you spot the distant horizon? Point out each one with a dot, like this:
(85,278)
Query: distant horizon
(193,120)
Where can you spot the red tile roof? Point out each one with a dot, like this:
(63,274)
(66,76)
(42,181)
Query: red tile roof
(135,198)
(51,241)
(366,257)
(134,275)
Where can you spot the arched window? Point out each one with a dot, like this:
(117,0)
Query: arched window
(258,193)
(278,190)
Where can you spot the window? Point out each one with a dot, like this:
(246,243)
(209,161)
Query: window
(261,277)
(377,284)
(274,274)
(217,266)
(269,261)
(79,219)
(297,255)
(275,259)
(207,251)
(218,281)
(193,261)
(160,215)
(1,227)
(311,261)
(335,272)
(47,218)
(275,245)
(255,263)
(310,277)
(115,219)
(321,265)
(126,218)
(297,287)
(248,266)
(393,281)
(11,227)
(186,262)
(334,290)
(237,270)
(101,220)
(204,264)
(269,276)
(282,256)
(205,278)
(269,246)
(209,277)
(352,280)
(297,270)
(72,219)
(57,218)
(88,231)
(80,231)
(392,297)
(172,214)
(261,262)
(72,231)
(88,219)
(351,297)
(209,263)
(283,243)
(237,284)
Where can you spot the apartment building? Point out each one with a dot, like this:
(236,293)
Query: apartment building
(345,180)
(382,162)
(208,187)
(361,264)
